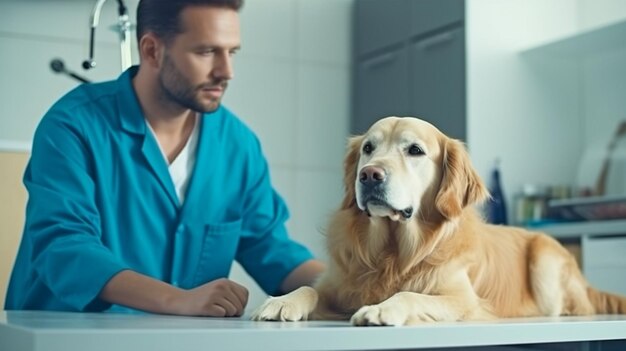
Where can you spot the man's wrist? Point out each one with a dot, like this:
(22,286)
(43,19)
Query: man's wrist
(141,292)
(172,301)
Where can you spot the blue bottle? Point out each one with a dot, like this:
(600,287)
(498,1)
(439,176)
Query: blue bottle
(496,205)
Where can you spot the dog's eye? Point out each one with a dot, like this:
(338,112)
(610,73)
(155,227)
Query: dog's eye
(416,150)
(368,148)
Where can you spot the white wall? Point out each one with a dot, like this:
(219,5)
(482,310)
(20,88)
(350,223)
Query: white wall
(510,103)
(538,114)
(603,89)
(604,74)
(291,86)
(596,13)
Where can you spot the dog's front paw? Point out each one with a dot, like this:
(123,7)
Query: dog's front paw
(280,308)
(295,306)
(381,314)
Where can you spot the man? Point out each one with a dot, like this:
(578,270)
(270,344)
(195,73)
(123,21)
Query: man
(143,190)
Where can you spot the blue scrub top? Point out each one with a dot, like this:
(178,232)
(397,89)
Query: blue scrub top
(101,200)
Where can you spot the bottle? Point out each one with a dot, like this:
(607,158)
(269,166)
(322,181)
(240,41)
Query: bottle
(531,205)
(496,205)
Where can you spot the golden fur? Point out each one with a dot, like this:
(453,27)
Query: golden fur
(443,263)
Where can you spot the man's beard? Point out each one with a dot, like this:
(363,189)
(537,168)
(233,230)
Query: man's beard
(177,89)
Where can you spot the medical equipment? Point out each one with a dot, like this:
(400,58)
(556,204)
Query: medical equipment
(123,27)
(58,66)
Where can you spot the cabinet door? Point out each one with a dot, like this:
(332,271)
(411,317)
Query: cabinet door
(379,24)
(604,263)
(438,81)
(427,15)
(381,86)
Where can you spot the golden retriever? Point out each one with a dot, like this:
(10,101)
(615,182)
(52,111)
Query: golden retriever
(407,246)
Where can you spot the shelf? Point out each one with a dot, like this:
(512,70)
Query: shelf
(584,44)
(578,229)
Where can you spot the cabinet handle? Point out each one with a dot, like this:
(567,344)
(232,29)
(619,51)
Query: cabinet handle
(437,40)
(380,60)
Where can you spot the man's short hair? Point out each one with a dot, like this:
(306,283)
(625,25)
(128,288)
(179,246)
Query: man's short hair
(162,17)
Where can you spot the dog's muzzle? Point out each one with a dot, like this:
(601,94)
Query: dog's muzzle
(372,181)
(372,176)
(407,212)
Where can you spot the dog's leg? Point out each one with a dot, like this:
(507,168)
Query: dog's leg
(557,284)
(295,306)
(406,308)
(546,269)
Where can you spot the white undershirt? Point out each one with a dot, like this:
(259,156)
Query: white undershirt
(181,167)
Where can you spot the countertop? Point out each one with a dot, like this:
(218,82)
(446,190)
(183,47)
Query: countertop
(36,330)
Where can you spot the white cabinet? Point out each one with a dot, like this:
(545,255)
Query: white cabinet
(604,262)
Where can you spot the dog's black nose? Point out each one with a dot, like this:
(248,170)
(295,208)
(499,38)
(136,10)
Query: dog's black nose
(372,175)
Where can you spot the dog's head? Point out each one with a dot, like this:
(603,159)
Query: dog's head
(402,166)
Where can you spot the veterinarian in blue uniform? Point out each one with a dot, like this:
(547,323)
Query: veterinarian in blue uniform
(104,203)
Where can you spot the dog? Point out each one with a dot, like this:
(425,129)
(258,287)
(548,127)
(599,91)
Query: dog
(407,245)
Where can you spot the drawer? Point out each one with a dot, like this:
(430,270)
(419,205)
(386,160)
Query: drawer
(604,252)
(610,279)
(604,263)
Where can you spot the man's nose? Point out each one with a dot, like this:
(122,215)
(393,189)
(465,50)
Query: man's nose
(223,68)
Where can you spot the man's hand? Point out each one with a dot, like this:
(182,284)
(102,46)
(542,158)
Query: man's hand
(219,298)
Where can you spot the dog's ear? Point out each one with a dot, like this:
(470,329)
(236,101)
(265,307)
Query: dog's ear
(460,184)
(350,163)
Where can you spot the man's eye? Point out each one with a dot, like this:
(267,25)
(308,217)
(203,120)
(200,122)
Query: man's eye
(415,150)
(368,148)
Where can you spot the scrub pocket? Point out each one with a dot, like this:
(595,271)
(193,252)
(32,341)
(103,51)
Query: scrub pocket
(218,251)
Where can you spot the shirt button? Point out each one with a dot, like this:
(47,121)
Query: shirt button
(175,283)
(180,230)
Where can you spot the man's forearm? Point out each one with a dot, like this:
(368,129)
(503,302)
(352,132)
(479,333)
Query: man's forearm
(140,292)
(304,274)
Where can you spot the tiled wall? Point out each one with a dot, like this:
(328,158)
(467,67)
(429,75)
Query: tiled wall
(32,33)
(291,86)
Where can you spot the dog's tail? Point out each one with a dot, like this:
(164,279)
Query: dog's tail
(606,303)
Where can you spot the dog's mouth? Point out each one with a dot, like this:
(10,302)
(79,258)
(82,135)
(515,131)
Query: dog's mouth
(375,207)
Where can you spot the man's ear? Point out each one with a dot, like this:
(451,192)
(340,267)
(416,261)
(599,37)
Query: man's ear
(460,184)
(151,50)
(351,162)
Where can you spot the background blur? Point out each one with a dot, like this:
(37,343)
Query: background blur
(537,107)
